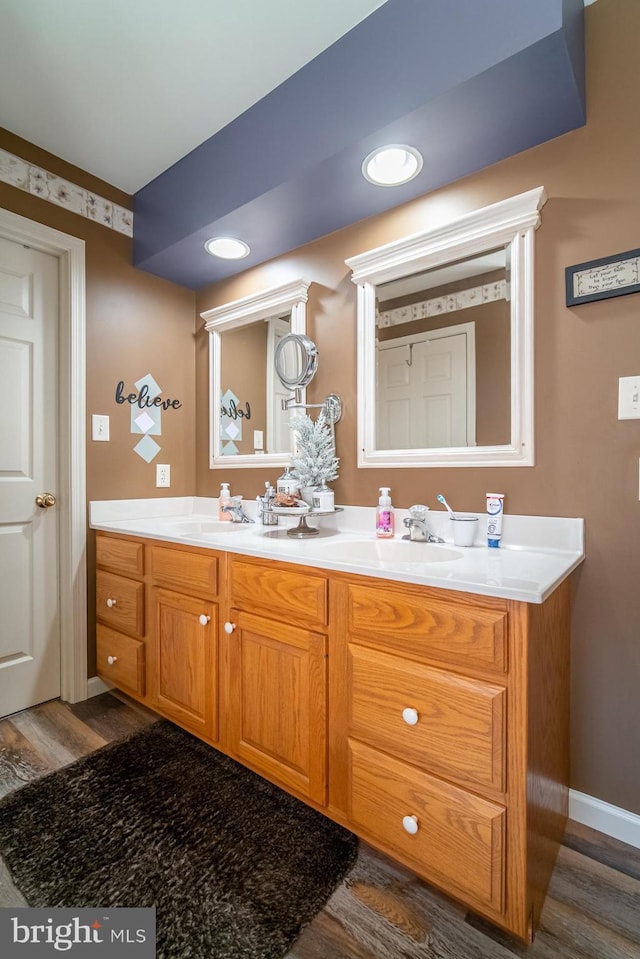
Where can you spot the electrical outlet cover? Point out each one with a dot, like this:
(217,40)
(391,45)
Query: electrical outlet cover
(163,474)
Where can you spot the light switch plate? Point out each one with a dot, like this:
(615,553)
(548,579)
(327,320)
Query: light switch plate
(163,474)
(100,428)
(258,440)
(629,398)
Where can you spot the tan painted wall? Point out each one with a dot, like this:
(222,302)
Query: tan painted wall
(136,324)
(587,461)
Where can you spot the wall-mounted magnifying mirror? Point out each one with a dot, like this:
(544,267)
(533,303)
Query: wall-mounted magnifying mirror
(296,360)
(249,423)
(445,342)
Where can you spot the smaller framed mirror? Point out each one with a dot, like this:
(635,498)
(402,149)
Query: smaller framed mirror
(296,360)
(248,426)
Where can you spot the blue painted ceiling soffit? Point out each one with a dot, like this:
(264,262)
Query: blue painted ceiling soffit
(467,82)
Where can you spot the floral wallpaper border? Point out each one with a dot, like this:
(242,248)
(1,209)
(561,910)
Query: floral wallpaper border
(33,179)
(444,304)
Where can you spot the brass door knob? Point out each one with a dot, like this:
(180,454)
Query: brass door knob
(45,500)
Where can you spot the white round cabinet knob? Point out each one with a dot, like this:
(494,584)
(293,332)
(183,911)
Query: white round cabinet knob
(204,619)
(111,660)
(410,824)
(229,627)
(111,602)
(410,716)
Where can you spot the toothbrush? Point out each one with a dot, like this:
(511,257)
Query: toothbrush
(442,500)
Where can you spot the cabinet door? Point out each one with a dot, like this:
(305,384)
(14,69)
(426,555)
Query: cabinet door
(185,648)
(277,707)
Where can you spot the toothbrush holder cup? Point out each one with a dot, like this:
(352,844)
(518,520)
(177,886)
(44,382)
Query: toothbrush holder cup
(464,529)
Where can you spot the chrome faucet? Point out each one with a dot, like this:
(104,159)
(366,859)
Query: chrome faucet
(236,510)
(266,503)
(416,523)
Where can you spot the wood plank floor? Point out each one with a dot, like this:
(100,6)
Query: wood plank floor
(381,910)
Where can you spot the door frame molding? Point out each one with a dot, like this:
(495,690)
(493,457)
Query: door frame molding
(70,251)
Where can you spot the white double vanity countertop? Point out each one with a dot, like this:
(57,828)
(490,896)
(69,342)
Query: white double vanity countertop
(536,552)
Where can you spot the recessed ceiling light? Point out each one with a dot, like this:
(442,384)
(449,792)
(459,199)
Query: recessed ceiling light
(392,165)
(227,247)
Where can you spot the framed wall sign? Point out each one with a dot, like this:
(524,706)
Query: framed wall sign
(600,279)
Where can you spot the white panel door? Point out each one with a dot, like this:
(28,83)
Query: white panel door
(422,393)
(29,623)
(394,398)
(440,392)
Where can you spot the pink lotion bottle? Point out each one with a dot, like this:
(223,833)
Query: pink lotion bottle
(385,520)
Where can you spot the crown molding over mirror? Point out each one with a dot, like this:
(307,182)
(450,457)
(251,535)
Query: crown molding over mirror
(509,225)
(289,298)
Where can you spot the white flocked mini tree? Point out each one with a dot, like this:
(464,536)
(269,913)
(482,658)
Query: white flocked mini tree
(314,461)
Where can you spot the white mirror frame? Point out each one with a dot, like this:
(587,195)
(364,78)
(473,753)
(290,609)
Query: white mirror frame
(250,309)
(512,221)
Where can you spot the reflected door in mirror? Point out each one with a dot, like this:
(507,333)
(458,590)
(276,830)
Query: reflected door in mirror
(443,354)
(278,432)
(424,397)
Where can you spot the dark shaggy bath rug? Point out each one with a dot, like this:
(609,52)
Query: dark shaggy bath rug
(233,865)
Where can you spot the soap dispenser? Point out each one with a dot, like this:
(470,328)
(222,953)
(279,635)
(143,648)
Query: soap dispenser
(224,499)
(385,519)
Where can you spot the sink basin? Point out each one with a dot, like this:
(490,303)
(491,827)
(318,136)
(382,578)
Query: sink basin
(191,527)
(374,552)
(199,526)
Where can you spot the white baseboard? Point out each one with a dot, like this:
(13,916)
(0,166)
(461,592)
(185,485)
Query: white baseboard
(95,686)
(612,820)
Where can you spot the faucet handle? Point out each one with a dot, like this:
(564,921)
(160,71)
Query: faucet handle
(418,511)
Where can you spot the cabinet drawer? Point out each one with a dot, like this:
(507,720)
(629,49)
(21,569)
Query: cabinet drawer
(459,842)
(423,628)
(184,571)
(459,723)
(120,659)
(120,603)
(274,591)
(120,555)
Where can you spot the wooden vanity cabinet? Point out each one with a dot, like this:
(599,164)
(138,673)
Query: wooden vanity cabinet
(432,723)
(276,653)
(449,736)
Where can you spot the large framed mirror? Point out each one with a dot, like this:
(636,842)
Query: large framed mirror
(445,342)
(248,426)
